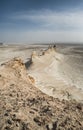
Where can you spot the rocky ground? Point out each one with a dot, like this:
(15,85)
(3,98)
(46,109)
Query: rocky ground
(25,107)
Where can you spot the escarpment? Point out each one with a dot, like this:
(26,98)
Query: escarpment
(23,106)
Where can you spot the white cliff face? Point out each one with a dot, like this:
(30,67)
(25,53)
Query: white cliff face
(57,75)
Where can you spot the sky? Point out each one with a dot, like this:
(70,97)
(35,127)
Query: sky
(41,21)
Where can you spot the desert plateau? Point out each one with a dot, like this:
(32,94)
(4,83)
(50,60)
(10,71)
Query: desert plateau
(41,87)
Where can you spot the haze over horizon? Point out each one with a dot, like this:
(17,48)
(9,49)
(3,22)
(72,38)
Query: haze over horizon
(30,21)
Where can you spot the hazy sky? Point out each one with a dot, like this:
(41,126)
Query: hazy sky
(28,21)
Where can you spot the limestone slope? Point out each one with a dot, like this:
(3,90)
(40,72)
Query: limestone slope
(56,75)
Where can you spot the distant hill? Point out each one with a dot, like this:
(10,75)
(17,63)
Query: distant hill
(1,43)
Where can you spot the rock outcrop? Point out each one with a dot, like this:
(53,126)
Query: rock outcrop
(25,107)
